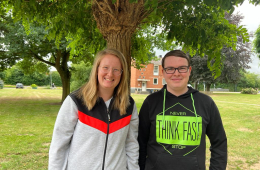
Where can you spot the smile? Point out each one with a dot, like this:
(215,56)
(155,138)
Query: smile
(176,79)
(109,79)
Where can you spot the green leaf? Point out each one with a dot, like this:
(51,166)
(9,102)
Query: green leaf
(133,1)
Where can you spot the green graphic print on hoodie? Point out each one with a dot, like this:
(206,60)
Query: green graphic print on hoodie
(172,132)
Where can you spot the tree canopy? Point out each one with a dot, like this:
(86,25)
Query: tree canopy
(235,61)
(199,26)
(36,51)
(256,42)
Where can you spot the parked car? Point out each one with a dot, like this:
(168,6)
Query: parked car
(19,86)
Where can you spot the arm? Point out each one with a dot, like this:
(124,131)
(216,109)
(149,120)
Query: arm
(132,146)
(218,140)
(143,133)
(62,134)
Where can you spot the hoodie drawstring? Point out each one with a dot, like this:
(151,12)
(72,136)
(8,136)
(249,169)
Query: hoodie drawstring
(164,98)
(195,112)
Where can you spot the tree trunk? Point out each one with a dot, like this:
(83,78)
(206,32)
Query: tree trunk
(65,75)
(196,85)
(122,42)
(208,87)
(65,79)
(117,22)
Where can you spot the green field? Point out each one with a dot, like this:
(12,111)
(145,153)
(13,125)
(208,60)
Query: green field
(27,117)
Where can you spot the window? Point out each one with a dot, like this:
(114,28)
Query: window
(156,70)
(140,76)
(163,82)
(144,69)
(155,81)
(143,77)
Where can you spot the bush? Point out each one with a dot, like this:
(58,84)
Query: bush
(34,86)
(47,87)
(249,91)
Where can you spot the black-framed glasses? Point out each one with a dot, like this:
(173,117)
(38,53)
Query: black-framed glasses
(181,69)
(116,71)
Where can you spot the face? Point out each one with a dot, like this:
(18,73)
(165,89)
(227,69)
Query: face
(107,80)
(176,82)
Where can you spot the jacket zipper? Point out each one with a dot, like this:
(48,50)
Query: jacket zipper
(104,157)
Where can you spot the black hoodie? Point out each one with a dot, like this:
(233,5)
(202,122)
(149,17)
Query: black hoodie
(175,138)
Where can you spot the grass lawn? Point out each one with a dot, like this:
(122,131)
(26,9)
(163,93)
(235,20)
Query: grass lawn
(27,117)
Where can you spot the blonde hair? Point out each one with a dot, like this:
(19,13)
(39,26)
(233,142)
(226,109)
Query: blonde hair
(89,92)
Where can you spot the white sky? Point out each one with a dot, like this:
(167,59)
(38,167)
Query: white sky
(251,22)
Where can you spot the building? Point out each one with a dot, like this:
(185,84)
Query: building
(147,79)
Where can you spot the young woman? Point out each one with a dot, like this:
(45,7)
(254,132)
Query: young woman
(97,125)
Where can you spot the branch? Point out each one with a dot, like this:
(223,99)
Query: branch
(65,58)
(51,3)
(104,11)
(112,13)
(40,59)
(163,4)
(147,13)
(57,60)
(73,7)
(53,54)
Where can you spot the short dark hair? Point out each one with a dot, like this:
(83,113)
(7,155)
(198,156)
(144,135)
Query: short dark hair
(176,53)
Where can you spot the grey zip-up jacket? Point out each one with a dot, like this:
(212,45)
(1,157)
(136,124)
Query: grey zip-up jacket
(87,140)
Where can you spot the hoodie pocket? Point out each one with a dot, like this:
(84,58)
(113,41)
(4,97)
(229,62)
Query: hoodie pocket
(165,162)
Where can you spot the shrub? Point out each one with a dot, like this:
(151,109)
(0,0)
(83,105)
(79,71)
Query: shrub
(249,91)
(34,86)
(47,87)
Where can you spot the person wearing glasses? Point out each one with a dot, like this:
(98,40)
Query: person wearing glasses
(97,125)
(174,122)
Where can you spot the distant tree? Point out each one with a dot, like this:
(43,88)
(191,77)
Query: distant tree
(37,78)
(2,75)
(15,75)
(256,42)
(8,27)
(35,49)
(235,61)
(200,72)
(250,80)
(55,78)
(79,75)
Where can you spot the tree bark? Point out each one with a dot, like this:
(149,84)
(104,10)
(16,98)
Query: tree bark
(117,23)
(65,79)
(196,85)
(122,42)
(208,87)
(63,69)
